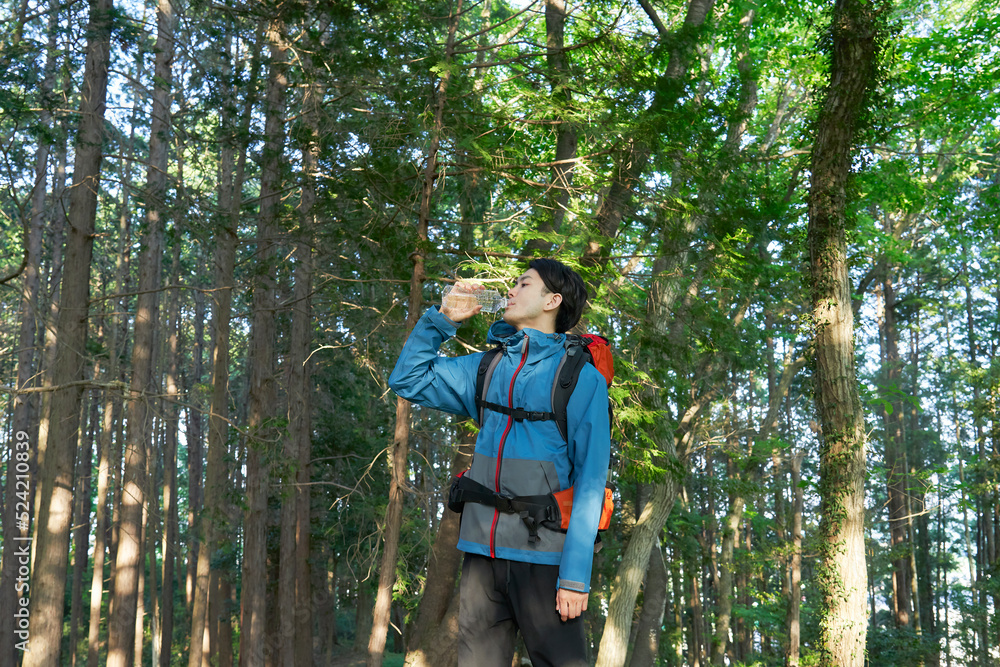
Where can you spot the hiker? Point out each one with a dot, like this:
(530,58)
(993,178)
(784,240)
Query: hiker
(519,572)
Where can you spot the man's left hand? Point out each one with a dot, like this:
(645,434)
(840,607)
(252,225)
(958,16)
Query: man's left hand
(570,604)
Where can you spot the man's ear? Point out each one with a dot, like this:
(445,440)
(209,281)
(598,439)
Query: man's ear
(553,302)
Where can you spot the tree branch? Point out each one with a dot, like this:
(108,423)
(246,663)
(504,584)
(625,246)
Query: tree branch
(655,18)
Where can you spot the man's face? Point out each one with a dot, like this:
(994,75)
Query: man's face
(530,304)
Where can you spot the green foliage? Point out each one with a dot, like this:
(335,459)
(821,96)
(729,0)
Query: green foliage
(899,647)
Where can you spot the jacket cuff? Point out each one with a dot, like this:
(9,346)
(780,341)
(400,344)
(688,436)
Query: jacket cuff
(443,322)
(576,586)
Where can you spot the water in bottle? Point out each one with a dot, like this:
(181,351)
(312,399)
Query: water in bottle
(489,299)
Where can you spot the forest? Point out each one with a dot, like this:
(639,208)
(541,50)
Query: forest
(220,221)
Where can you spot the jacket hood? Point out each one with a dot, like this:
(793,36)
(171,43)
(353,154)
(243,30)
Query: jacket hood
(500,331)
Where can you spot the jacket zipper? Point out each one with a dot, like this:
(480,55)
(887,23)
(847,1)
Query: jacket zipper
(503,441)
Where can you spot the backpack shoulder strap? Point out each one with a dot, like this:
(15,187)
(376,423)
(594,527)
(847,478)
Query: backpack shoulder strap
(486,367)
(566,378)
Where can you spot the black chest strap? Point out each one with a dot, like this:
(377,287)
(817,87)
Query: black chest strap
(519,414)
(566,375)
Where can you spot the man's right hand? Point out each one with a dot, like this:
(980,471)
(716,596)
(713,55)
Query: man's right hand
(458,309)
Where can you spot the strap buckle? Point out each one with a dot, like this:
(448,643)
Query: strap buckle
(520,414)
(504,504)
(552,514)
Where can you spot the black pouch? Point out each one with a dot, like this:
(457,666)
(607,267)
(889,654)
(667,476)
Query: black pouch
(455,502)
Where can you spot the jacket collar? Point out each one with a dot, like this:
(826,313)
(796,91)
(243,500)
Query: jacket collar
(542,344)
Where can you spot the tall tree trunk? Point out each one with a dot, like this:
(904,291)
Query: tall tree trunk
(129,564)
(895,454)
(171,426)
(139,636)
(920,514)
(60,420)
(744,634)
(195,450)
(221,600)
(207,582)
(101,522)
(792,618)
(296,634)
(698,643)
(942,574)
(676,655)
(654,598)
(730,536)
(112,411)
(262,355)
(294,578)
(302,338)
(195,456)
(400,444)
(81,521)
(560,80)
(474,199)
(362,617)
(433,637)
(778,388)
(431,643)
(778,476)
(324,587)
(130,557)
(192,380)
(617,200)
(23,430)
(624,589)
(841,575)
(430,635)
(614,640)
(981,559)
(613,206)
(291,609)
(116,496)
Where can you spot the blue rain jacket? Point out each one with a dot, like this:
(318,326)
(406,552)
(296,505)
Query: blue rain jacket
(519,458)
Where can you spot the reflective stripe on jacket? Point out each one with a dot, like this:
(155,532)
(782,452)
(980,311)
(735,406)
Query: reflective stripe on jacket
(519,458)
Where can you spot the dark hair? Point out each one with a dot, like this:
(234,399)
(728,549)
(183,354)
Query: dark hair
(560,279)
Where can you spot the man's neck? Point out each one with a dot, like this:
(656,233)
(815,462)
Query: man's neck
(543,327)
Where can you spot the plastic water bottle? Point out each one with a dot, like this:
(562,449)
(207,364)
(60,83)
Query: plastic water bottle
(489,299)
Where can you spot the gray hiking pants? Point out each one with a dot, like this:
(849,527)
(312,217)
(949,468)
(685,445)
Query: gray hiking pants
(500,597)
